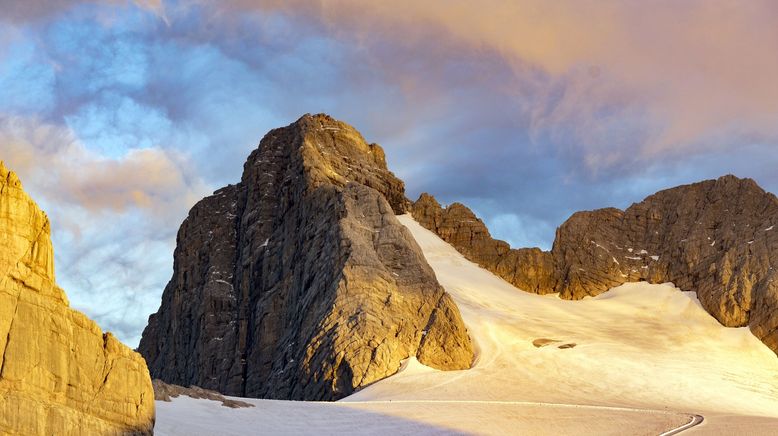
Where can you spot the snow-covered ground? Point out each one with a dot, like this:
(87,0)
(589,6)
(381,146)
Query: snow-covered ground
(646,357)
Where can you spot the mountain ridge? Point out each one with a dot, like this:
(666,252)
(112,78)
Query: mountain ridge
(299,282)
(714,237)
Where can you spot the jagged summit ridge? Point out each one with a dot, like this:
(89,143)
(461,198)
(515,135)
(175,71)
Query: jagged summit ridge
(299,282)
(715,237)
(59,373)
(331,153)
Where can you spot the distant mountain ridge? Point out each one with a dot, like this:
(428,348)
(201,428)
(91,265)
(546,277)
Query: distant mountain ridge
(716,237)
(299,282)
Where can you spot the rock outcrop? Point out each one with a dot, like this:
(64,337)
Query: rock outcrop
(59,373)
(165,392)
(717,237)
(299,282)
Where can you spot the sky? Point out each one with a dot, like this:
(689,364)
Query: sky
(119,115)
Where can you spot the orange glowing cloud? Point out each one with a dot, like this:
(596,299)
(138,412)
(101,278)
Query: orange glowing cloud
(696,74)
(52,162)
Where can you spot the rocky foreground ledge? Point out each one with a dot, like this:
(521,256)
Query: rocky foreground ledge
(166,392)
(718,238)
(59,373)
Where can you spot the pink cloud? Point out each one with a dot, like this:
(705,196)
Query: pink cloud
(53,163)
(692,76)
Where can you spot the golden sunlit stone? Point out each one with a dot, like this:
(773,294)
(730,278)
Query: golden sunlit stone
(59,373)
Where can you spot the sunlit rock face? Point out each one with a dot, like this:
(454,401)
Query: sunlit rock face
(59,373)
(299,282)
(717,237)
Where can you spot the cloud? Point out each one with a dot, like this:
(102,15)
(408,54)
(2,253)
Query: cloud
(62,168)
(542,108)
(602,76)
(21,11)
(113,218)
(116,268)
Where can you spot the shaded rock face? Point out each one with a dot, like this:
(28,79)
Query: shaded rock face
(299,282)
(59,373)
(717,237)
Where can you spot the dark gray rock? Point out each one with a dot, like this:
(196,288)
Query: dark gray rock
(299,282)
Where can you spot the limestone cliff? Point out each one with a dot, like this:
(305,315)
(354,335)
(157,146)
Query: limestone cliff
(59,373)
(299,282)
(717,237)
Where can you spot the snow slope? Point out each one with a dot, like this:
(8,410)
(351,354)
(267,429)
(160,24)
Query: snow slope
(645,358)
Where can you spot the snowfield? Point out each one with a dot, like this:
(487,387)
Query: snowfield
(639,359)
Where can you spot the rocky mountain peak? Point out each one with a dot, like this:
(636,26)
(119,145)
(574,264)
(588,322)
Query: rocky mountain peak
(324,151)
(299,282)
